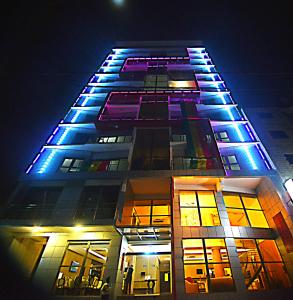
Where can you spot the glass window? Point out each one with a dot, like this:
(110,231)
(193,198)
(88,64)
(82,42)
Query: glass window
(71,165)
(82,268)
(146,213)
(232,200)
(230,162)
(250,202)
(108,165)
(222,136)
(33,203)
(269,251)
(206,266)
(209,217)
(244,210)
(261,264)
(187,198)
(206,198)
(257,218)
(247,250)
(113,165)
(189,217)
(198,209)
(114,139)
(111,139)
(179,138)
(97,202)
(120,139)
(237,217)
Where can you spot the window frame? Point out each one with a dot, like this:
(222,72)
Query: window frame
(71,168)
(206,262)
(229,165)
(111,162)
(198,208)
(243,208)
(126,139)
(179,138)
(262,261)
(219,138)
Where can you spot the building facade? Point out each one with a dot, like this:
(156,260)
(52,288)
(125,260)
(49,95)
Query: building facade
(274,126)
(156,179)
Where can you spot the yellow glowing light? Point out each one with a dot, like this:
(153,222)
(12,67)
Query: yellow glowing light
(78,227)
(182,83)
(36,229)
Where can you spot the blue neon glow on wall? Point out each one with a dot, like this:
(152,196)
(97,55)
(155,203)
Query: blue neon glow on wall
(240,135)
(60,140)
(47,161)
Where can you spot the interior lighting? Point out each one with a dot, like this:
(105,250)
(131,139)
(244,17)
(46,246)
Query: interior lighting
(78,228)
(36,229)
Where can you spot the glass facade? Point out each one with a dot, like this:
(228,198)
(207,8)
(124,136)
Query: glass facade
(262,265)
(244,210)
(206,266)
(198,209)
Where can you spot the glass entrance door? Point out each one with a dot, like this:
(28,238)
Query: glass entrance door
(148,272)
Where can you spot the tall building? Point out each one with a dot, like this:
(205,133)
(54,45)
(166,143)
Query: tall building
(156,179)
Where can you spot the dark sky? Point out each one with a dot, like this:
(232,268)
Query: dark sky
(50,48)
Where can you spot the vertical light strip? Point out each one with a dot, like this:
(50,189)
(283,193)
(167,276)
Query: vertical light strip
(240,135)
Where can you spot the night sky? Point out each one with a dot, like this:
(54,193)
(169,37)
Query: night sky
(51,48)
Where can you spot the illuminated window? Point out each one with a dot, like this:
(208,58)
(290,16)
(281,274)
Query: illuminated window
(198,209)
(114,139)
(83,263)
(182,84)
(230,163)
(71,165)
(146,213)
(206,266)
(244,210)
(261,264)
(222,136)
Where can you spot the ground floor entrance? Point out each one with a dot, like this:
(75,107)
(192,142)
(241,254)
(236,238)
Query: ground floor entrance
(147,269)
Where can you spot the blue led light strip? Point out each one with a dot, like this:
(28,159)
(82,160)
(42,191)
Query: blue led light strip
(239,133)
(60,140)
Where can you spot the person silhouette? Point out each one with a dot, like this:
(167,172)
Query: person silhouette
(128,279)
